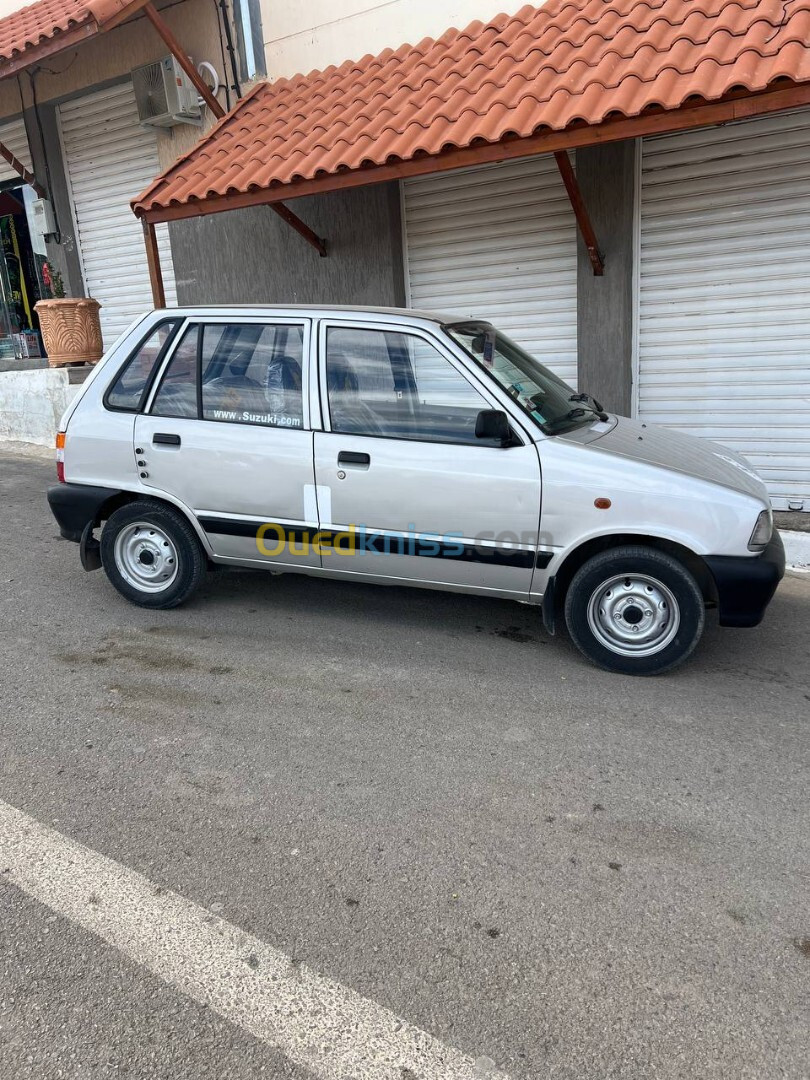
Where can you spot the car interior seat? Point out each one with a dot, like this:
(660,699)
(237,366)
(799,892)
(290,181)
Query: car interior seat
(349,413)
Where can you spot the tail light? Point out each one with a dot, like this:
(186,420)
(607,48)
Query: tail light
(60,457)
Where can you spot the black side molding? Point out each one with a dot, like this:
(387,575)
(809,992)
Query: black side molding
(76,505)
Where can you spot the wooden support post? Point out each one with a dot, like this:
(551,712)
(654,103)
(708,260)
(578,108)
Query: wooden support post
(292,219)
(153,261)
(569,178)
(176,49)
(18,167)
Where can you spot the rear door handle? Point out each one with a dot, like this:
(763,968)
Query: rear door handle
(161,438)
(352,457)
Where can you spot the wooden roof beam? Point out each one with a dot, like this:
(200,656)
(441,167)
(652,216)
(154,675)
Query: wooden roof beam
(18,167)
(569,178)
(182,58)
(153,262)
(296,223)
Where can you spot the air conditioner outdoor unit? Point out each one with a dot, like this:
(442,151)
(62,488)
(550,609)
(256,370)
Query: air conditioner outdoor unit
(165,95)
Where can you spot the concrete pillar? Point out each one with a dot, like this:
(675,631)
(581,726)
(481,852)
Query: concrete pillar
(607,178)
(43,138)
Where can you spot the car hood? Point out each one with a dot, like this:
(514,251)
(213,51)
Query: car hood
(686,454)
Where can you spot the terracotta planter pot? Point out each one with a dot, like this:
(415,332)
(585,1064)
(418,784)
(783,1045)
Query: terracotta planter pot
(71,331)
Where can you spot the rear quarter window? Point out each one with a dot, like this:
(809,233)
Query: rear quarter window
(128,389)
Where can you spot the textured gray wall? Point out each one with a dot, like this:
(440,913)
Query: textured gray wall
(607,177)
(253,257)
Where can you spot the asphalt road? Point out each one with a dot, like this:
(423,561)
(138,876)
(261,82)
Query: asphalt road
(563,872)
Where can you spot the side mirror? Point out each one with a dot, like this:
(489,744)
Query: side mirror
(493,424)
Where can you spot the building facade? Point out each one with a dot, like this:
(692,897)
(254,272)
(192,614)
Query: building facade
(701,318)
(73,118)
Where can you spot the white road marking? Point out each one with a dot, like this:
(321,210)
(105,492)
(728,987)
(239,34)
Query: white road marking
(315,1021)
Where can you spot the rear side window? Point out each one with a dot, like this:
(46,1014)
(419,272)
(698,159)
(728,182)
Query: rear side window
(253,374)
(128,389)
(177,394)
(242,373)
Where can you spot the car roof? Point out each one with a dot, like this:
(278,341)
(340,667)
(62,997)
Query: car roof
(324,310)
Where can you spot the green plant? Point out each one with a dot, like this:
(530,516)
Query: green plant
(57,285)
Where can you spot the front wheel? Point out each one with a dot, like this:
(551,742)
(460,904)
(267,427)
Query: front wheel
(152,555)
(635,610)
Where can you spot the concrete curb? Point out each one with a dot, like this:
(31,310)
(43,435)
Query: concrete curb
(32,403)
(27,449)
(797,550)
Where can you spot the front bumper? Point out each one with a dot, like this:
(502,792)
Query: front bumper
(745,585)
(75,506)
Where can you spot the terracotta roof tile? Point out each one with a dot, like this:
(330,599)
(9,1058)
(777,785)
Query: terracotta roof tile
(33,24)
(49,20)
(568,62)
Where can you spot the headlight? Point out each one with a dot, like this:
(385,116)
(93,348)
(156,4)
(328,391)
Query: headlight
(763,530)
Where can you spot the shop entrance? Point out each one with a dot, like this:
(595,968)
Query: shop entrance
(23,275)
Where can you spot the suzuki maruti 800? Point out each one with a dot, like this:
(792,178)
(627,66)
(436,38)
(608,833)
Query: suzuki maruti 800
(405,448)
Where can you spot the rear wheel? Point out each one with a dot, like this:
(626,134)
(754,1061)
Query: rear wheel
(635,610)
(152,555)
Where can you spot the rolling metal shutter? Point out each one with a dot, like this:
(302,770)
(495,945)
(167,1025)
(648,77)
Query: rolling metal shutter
(724,307)
(110,159)
(498,242)
(13,135)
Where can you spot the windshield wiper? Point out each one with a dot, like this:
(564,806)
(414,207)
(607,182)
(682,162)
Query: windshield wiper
(572,414)
(549,426)
(594,406)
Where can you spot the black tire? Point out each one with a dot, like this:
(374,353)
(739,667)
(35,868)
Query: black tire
(635,610)
(173,560)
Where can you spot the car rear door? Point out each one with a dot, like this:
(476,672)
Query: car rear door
(226,434)
(404,486)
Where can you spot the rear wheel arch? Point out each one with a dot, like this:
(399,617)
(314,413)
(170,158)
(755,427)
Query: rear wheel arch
(122,498)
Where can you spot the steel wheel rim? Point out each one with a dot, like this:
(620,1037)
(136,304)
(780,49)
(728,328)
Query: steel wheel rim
(146,557)
(633,615)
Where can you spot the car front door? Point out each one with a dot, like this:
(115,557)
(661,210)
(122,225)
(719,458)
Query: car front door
(226,432)
(405,489)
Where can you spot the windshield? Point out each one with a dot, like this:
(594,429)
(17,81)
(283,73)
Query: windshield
(550,402)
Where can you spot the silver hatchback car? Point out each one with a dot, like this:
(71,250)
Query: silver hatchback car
(407,448)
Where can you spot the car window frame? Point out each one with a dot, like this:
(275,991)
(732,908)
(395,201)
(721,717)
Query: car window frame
(166,347)
(219,320)
(319,367)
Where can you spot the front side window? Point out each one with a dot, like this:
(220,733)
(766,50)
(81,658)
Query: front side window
(551,403)
(397,385)
(127,391)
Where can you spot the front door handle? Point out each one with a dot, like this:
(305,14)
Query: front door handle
(354,459)
(161,438)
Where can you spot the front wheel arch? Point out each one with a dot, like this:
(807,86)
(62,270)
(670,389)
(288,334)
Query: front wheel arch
(577,557)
